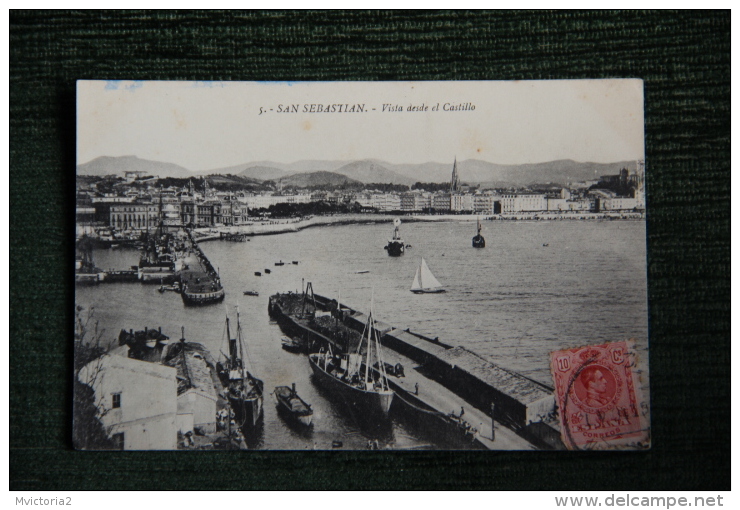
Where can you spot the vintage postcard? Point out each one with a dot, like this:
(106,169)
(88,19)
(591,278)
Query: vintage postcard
(361,266)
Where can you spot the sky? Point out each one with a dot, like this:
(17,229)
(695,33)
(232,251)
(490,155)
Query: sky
(208,125)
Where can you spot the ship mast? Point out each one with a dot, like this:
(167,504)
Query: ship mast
(369,333)
(232,345)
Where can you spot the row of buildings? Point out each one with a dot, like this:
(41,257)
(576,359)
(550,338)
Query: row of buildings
(137,209)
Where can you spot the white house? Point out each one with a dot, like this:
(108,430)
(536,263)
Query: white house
(137,401)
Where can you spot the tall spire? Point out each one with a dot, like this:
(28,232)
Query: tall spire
(455,181)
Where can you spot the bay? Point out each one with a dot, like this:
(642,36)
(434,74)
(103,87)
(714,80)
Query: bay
(538,286)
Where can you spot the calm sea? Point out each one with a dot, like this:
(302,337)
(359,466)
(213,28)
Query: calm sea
(536,287)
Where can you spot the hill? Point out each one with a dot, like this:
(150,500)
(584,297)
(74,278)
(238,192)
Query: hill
(473,171)
(263,173)
(107,165)
(368,171)
(307,180)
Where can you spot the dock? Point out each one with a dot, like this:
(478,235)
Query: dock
(508,410)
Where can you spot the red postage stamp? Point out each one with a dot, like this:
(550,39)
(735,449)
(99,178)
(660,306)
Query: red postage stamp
(599,398)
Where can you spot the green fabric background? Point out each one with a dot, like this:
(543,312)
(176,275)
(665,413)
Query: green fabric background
(684,58)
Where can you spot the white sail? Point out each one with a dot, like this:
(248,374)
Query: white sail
(426,278)
(417,281)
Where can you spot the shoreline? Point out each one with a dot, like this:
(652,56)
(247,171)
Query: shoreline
(275,227)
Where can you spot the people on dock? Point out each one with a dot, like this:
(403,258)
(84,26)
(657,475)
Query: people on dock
(416,388)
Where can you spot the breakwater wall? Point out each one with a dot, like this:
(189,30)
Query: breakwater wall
(294,225)
(510,398)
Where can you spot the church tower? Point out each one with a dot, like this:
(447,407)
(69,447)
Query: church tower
(455,181)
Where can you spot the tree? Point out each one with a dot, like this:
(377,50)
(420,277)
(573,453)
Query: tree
(88,432)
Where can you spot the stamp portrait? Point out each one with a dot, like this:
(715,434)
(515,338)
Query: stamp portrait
(599,397)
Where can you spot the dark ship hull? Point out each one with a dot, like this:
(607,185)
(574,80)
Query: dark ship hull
(247,411)
(247,408)
(395,248)
(202,298)
(479,242)
(369,404)
(293,407)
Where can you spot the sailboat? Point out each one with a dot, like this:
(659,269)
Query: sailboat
(244,391)
(358,379)
(478,240)
(424,281)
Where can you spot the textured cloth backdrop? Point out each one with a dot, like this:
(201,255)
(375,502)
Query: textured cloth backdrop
(684,58)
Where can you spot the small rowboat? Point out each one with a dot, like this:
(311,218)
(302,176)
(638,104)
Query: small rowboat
(293,406)
(251,293)
(291,345)
(257,273)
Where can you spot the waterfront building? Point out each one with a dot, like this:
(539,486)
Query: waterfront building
(441,202)
(461,202)
(137,401)
(364,199)
(387,202)
(486,203)
(267,200)
(620,204)
(561,204)
(523,202)
(139,215)
(415,201)
(170,211)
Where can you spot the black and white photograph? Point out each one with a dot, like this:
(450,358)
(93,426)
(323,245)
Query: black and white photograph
(400,266)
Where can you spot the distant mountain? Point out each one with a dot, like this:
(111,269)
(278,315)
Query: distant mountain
(106,165)
(312,165)
(323,172)
(263,173)
(368,171)
(556,172)
(217,179)
(473,171)
(305,180)
(424,172)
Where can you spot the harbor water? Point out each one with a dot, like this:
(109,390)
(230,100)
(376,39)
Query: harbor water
(538,286)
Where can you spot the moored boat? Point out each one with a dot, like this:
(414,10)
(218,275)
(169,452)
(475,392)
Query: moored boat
(351,376)
(85,270)
(292,345)
(200,283)
(293,406)
(424,281)
(395,246)
(244,391)
(251,293)
(478,240)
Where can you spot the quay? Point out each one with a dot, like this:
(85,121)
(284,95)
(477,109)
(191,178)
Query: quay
(178,260)
(291,225)
(508,410)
